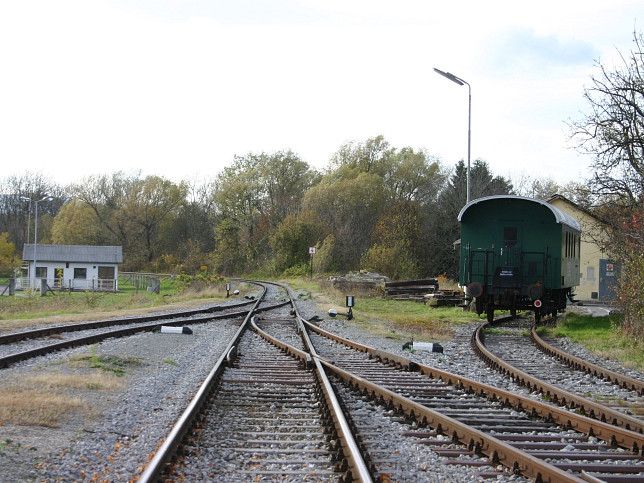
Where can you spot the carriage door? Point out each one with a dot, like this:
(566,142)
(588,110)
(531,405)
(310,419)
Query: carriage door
(609,273)
(510,251)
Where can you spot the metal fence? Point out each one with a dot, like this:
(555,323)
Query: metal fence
(78,284)
(143,281)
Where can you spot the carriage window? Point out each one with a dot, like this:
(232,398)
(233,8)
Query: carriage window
(574,245)
(510,236)
(574,248)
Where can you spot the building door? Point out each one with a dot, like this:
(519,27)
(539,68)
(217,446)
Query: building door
(106,278)
(609,273)
(58,277)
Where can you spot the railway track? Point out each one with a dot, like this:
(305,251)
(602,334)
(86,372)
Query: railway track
(466,422)
(526,436)
(265,411)
(515,349)
(552,346)
(311,405)
(27,344)
(265,419)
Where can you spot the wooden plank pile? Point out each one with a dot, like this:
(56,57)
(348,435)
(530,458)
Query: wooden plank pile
(411,289)
(424,290)
(445,298)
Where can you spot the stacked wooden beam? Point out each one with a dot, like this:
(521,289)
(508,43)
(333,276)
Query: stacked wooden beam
(424,290)
(411,289)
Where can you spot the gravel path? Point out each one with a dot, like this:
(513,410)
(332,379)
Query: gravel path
(114,432)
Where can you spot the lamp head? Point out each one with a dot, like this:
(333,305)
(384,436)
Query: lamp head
(450,76)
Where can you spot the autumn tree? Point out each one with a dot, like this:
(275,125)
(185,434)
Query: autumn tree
(370,156)
(348,201)
(132,210)
(255,194)
(413,175)
(612,132)
(8,258)
(292,238)
(397,243)
(77,224)
(228,258)
(188,236)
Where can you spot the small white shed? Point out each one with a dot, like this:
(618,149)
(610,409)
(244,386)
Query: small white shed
(76,267)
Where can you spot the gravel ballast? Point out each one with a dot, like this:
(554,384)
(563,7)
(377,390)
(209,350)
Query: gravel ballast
(116,432)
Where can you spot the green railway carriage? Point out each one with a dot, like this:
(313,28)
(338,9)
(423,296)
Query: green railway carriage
(518,253)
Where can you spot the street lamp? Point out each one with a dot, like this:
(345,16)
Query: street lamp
(35,202)
(461,82)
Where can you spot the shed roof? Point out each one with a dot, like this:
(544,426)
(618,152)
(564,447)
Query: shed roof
(560,216)
(74,253)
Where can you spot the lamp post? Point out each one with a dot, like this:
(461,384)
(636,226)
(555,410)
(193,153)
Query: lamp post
(35,202)
(461,82)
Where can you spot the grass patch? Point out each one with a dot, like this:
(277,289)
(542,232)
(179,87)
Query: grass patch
(109,363)
(386,317)
(96,381)
(46,397)
(19,311)
(35,407)
(602,336)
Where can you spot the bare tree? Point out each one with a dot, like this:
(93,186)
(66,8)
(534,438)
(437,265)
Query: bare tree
(613,134)
(613,131)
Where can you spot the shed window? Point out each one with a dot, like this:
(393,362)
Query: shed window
(80,273)
(41,272)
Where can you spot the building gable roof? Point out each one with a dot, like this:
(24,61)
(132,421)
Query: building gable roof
(573,204)
(74,253)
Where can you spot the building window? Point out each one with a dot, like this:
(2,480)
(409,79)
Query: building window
(41,272)
(80,273)
(106,273)
(590,274)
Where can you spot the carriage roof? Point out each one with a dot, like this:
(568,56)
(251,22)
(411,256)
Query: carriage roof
(560,216)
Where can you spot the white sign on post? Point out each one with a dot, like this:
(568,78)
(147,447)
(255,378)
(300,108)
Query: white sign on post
(312,250)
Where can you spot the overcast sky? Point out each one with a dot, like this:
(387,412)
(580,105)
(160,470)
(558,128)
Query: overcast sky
(177,88)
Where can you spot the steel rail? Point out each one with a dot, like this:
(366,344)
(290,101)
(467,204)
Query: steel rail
(6,361)
(157,464)
(288,349)
(616,435)
(498,451)
(621,380)
(357,469)
(97,324)
(558,395)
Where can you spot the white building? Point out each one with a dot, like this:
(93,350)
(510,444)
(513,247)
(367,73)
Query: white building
(76,267)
